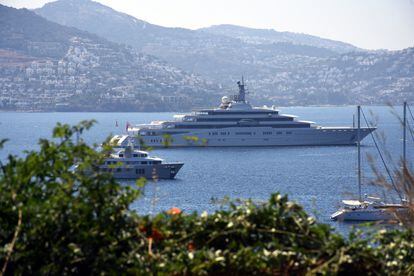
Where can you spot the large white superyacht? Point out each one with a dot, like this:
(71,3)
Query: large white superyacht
(237,123)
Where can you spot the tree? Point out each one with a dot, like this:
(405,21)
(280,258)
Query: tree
(55,219)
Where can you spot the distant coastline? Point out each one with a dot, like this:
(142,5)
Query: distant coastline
(178,111)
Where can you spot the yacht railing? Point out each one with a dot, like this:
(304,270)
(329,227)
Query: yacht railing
(150,126)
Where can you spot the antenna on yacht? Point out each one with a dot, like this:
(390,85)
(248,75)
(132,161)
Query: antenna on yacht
(129,148)
(242,91)
(130,144)
(359,152)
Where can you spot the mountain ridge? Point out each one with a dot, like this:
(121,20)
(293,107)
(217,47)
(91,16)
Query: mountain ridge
(64,19)
(259,35)
(218,58)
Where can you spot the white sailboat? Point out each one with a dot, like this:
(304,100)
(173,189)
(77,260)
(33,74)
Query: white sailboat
(366,210)
(357,210)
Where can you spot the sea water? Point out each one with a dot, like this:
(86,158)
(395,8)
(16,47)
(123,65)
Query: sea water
(318,177)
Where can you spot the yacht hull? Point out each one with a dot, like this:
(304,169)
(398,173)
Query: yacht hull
(364,215)
(150,172)
(257,136)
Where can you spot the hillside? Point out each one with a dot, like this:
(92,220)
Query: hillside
(218,57)
(269,36)
(46,66)
(281,68)
(353,78)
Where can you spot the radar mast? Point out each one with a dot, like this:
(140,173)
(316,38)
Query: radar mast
(242,92)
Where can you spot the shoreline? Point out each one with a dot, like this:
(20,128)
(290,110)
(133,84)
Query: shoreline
(186,111)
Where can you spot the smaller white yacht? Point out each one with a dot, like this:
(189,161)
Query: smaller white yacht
(130,163)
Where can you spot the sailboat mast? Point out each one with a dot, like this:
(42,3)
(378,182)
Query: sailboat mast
(404,135)
(359,153)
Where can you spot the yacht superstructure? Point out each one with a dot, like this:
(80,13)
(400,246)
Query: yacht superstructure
(237,123)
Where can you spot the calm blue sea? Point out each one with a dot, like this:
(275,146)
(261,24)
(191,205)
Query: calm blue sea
(316,177)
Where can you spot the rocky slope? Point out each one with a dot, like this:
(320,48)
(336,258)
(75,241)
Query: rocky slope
(46,66)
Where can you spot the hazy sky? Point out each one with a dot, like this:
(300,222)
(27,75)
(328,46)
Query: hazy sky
(370,24)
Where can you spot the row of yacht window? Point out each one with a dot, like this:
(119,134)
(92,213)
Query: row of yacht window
(249,133)
(135,155)
(222,133)
(132,162)
(137,171)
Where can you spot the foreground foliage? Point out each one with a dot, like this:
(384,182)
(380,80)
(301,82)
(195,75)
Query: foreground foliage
(55,220)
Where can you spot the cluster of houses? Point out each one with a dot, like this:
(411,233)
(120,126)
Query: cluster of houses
(91,75)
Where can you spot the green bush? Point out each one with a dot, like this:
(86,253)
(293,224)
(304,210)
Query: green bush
(57,220)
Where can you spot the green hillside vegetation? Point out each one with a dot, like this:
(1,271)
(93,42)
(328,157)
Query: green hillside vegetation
(57,220)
